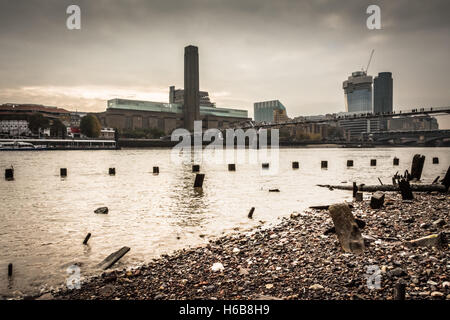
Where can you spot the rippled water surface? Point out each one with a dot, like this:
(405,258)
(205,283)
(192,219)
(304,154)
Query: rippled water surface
(44,218)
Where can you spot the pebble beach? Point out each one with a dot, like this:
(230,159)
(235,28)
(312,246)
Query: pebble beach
(299,258)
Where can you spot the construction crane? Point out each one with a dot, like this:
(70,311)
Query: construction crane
(370,59)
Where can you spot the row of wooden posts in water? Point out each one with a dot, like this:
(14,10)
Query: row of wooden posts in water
(402,182)
(9,173)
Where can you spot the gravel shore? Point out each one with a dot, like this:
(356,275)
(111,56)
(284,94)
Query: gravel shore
(296,260)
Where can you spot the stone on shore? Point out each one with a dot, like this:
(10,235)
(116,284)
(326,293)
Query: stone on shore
(437,294)
(439,223)
(316,287)
(346,228)
(101,210)
(243,271)
(377,200)
(46,296)
(217,267)
(435,240)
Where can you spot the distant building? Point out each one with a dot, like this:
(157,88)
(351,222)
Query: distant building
(75,119)
(14,111)
(191,101)
(177,96)
(382,93)
(279,115)
(313,131)
(266,111)
(185,106)
(107,133)
(412,123)
(14,127)
(358,92)
(356,127)
(315,117)
(125,114)
(14,117)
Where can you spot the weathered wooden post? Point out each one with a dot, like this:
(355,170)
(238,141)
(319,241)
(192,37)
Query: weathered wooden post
(405,189)
(9,174)
(265,166)
(406,175)
(399,290)
(155,170)
(324,164)
(394,182)
(87,238)
(359,196)
(63,172)
(295,165)
(112,171)
(231,167)
(10,270)
(199,177)
(113,258)
(417,166)
(349,163)
(377,200)
(446,180)
(373,162)
(250,214)
(346,228)
(196,168)
(435,160)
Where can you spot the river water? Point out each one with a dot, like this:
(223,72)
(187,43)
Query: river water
(44,218)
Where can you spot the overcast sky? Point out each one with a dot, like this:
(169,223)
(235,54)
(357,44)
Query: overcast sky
(299,52)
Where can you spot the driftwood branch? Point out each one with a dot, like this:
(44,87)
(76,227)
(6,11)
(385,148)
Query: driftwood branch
(388,187)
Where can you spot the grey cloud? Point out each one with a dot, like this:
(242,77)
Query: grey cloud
(296,51)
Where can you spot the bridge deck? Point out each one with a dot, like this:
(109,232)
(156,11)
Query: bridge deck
(413,112)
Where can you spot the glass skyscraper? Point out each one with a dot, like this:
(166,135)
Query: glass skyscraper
(264,111)
(382,93)
(358,92)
